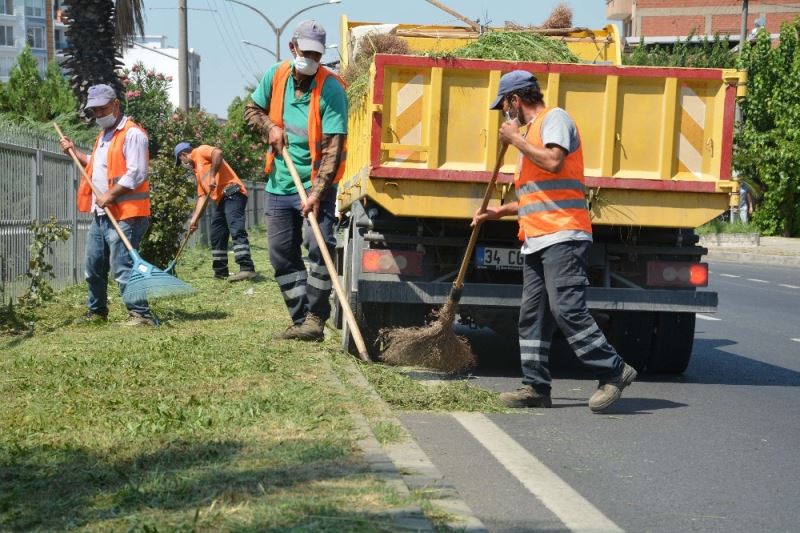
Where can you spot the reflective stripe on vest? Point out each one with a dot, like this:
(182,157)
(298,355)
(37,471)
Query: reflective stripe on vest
(550,201)
(135,203)
(314,132)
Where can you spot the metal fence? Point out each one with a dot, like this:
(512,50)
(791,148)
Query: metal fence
(37,181)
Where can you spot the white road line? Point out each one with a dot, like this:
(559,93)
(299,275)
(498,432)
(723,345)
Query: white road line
(788,286)
(729,276)
(796,340)
(757,280)
(706,317)
(562,500)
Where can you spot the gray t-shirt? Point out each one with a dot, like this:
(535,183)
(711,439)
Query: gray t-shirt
(558,129)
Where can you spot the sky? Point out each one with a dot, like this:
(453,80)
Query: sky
(227,66)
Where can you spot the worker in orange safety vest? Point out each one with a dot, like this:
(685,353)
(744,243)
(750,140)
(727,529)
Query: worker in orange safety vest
(118,168)
(556,234)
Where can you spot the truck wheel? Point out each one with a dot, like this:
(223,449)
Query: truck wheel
(672,343)
(632,336)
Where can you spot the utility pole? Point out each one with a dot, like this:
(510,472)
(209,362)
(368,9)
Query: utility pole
(743,32)
(183,56)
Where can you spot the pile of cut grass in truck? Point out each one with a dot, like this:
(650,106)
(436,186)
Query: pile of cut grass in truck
(503,45)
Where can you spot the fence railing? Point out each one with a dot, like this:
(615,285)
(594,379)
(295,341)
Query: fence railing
(37,181)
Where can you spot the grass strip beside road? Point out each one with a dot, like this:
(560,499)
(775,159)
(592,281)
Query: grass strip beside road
(203,423)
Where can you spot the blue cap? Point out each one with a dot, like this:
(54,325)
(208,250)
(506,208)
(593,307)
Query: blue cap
(513,81)
(99,95)
(179,149)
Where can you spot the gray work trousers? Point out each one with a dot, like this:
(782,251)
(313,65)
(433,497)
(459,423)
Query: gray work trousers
(554,294)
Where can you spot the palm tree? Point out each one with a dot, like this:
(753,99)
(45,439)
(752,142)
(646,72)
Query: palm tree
(97,32)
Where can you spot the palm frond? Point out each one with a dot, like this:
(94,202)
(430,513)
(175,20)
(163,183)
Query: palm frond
(129,15)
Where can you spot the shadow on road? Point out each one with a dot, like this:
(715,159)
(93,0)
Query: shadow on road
(711,363)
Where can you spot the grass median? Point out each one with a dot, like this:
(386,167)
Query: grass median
(202,423)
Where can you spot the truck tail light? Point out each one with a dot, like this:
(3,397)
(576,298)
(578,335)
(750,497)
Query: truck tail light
(403,262)
(676,274)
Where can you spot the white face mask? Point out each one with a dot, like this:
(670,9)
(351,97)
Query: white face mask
(305,66)
(106,121)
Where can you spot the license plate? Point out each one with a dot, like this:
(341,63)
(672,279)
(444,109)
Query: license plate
(491,258)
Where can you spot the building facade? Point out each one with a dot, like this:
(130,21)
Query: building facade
(153,52)
(26,22)
(655,19)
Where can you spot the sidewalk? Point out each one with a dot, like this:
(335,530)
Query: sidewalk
(780,251)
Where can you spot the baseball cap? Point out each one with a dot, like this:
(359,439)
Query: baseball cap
(99,95)
(179,149)
(310,36)
(513,81)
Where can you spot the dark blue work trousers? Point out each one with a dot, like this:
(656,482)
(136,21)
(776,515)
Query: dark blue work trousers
(228,220)
(554,294)
(303,291)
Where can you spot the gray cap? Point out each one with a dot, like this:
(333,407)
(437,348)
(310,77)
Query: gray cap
(100,95)
(310,36)
(513,81)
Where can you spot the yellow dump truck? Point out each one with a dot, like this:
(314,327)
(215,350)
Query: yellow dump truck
(657,145)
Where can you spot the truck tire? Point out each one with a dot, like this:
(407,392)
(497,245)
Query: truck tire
(672,343)
(632,336)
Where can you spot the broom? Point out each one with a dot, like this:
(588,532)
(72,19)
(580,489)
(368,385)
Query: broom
(329,264)
(171,266)
(146,281)
(437,346)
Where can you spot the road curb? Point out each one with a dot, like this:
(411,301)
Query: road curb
(758,259)
(411,464)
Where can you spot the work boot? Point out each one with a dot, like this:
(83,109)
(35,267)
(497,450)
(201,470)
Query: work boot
(609,392)
(312,329)
(135,319)
(242,275)
(94,317)
(526,396)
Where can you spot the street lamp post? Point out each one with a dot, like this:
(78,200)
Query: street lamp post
(279,29)
(245,41)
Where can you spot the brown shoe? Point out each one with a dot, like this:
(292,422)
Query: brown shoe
(526,396)
(242,275)
(93,317)
(312,329)
(610,391)
(135,319)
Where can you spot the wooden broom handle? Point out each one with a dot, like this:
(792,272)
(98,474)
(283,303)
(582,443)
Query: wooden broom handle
(323,246)
(96,193)
(204,201)
(473,238)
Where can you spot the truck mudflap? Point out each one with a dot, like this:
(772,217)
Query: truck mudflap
(499,295)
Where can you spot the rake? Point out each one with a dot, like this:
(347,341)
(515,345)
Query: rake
(146,282)
(437,346)
(171,266)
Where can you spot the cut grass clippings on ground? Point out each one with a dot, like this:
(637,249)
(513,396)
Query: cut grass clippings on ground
(201,424)
(404,393)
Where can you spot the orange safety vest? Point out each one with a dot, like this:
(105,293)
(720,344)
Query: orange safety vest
(202,164)
(314,117)
(135,203)
(550,202)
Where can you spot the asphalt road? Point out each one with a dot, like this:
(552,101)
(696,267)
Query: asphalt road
(713,450)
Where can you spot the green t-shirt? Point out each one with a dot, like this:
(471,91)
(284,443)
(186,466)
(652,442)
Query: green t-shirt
(333,108)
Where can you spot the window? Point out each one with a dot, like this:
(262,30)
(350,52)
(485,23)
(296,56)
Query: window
(34,8)
(6,36)
(36,37)
(6,7)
